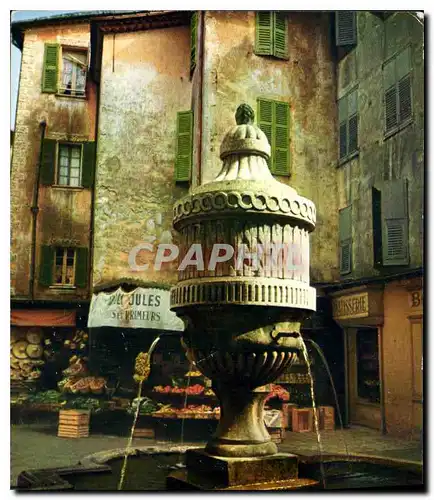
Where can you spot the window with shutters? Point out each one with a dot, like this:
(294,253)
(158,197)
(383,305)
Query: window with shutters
(274,121)
(345,240)
(193,42)
(64,70)
(63,266)
(346,28)
(184,146)
(348,126)
(397,92)
(271,34)
(68,164)
(394,211)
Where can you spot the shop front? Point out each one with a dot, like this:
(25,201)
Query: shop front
(359,312)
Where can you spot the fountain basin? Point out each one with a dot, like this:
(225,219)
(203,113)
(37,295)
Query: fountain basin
(148,468)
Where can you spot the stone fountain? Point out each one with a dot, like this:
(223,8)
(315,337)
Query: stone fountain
(243,307)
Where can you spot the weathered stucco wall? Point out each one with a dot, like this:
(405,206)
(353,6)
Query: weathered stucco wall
(396,157)
(234,74)
(64,213)
(145,81)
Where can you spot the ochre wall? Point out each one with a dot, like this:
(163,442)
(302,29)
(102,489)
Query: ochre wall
(402,349)
(145,81)
(234,74)
(64,213)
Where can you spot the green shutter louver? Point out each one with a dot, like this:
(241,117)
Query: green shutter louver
(184,146)
(345,240)
(274,121)
(280,44)
(46,265)
(49,149)
(404,99)
(281,139)
(346,28)
(51,68)
(81,267)
(193,42)
(376,227)
(88,165)
(395,223)
(264,33)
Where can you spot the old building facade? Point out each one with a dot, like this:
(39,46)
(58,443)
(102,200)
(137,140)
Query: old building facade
(160,90)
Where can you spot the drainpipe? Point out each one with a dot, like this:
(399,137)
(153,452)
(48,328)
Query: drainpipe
(35,210)
(201,65)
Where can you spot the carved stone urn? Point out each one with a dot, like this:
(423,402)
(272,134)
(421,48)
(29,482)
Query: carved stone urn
(247,291)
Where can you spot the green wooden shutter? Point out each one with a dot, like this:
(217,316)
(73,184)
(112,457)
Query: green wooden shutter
(265,123)
(184,146)
(280,35)
(390,95)
(352,122)
(345,240)
(46,265)
(88,165)
(376,226)
(343,120)
(193,42)
(346,28)
(51,68)
(81,266)
(395,223)
(281,139)
(264,33)
(48,166)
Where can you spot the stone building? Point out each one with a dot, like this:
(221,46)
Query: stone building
(160,90)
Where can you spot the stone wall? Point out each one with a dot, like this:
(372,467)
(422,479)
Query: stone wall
(234,74)
(380,158)
(64,213)
(145,81)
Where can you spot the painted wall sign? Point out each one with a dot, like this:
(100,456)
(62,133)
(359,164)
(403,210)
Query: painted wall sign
(416,298)
(351,306)
(141,308)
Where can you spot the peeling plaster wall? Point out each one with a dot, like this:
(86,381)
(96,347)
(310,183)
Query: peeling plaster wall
(63,213)
(234,74)
(145,81)
(399,156)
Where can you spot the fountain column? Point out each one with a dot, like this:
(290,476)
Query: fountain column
(243,308)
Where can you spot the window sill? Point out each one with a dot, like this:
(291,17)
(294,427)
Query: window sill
(67,188)
(71,96)
(397,129)
(348,158)
(64,288)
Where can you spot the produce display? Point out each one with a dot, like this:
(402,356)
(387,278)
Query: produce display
(279,392)
(147,406)
(190,411)
(142,367)
(190,390)
(77,380)
(26,354)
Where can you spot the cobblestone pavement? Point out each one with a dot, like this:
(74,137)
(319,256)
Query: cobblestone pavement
(37,446)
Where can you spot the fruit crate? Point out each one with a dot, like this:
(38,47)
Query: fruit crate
(73,423)
(327,418)
(144,432)
(277,434)
(302,420)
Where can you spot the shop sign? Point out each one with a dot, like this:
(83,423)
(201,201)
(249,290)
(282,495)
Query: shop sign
(351,306)
(141,308)
(416,299)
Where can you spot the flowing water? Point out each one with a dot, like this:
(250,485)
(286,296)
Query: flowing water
(315,413)
(326,365)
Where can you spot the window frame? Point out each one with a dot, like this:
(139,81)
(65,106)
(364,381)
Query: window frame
(400,125)
(57,165)
(71,48)
(349,155)
(64,267)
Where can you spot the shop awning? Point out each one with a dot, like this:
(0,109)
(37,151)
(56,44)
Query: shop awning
(140,308)
(43,317)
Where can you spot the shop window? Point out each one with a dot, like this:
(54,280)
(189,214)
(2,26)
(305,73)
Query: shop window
(274,121)
(271,34)
(184,146)
(64,70)
(348,126)
(397,92)
(60,266)
(68,164)
(368,368)
(345,240)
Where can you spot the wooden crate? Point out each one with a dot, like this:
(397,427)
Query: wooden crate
(144,432)
(302,420)
(287,414)
(73,423)
(276,434)
(327,418)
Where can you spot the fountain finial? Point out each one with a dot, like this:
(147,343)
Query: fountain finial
(244,115)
